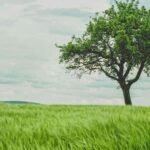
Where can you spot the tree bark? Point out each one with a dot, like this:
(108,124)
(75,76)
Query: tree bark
(126,94)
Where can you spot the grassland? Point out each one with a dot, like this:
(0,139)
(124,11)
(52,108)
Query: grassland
(41,127)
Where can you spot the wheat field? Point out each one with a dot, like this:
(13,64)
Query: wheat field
(58,127)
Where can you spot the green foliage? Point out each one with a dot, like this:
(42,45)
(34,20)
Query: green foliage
(39,127)
(120,37)
(116,44)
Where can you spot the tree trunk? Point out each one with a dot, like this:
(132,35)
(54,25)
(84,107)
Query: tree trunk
(126,94)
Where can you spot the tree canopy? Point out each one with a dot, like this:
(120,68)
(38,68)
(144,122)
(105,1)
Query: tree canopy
(116,43)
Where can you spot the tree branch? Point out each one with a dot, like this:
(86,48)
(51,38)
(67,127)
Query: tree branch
(112,55)
(130,82)
(127,71)
(108,75)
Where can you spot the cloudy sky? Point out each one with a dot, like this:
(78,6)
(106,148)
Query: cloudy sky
(29,68)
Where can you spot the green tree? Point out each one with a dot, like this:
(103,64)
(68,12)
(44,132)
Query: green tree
(116,43)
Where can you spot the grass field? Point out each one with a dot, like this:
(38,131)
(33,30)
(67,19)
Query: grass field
(41,127)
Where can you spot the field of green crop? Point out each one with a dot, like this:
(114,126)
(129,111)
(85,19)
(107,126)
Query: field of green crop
(42,127)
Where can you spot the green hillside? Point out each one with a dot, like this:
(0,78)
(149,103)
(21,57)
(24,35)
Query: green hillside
(42,127)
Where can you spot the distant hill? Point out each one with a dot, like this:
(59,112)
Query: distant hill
(18,102)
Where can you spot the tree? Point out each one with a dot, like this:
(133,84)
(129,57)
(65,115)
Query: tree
(116,43)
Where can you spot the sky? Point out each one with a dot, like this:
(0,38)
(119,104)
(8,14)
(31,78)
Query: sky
(29,60)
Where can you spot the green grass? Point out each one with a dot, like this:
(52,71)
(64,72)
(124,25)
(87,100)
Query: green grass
(41,127)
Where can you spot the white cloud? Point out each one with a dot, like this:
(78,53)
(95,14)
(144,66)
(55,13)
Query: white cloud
(90,5)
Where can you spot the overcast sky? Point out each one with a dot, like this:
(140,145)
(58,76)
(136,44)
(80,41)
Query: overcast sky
(29,68)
